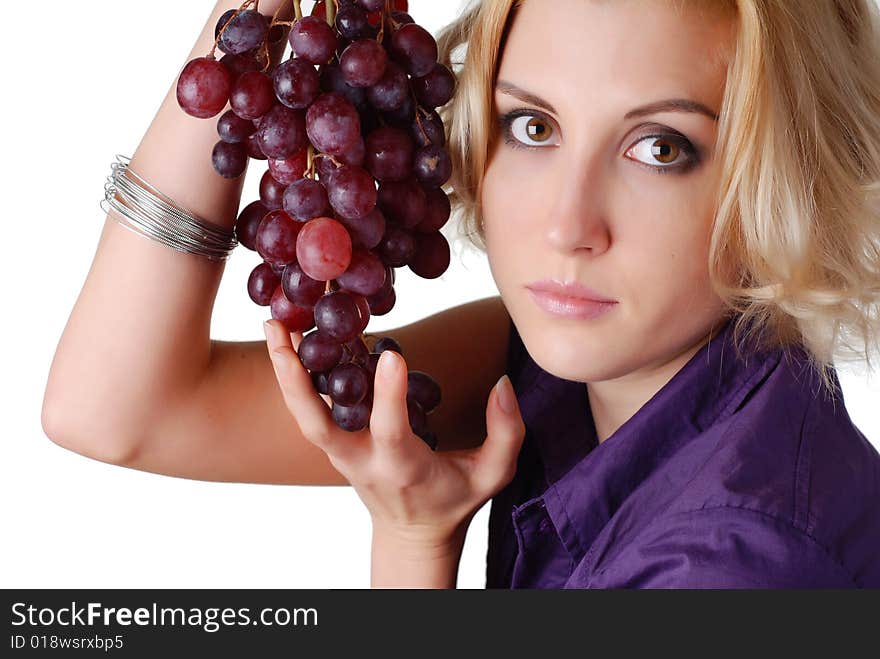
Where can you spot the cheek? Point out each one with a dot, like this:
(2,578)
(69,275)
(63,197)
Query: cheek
(510,205)
(668,263)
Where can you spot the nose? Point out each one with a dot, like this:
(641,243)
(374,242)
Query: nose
(577,217)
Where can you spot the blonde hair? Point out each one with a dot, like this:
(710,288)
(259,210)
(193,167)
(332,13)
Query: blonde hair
(795,247)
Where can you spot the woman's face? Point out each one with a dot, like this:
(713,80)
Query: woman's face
(585,192)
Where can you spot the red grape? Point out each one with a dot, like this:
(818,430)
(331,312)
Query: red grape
(290,170)
(424,389)
(437,211)
(391,90)
(313,40)
(246,30)
(348,384)
(413,47)
(354,418)
(203,87)
(239,64)
(436,88)
(224,19)
(332,123)
(432,165)
(363,63)
(403,202)
(382,304)
(296,83)
(431,258)
(262,284)
(299,287)
(233,129)
(428,130)
(332,80)
(352,23)
(323,248)
(352,191)
(248,222)
(367,231)
(294,317)
(337,315)
(277,237)
(318,352)
(282,132)
(365,275)
(389,154)
(397,247)
(271,191)
(252,95)
(253,148)
(306,199)
(229,160)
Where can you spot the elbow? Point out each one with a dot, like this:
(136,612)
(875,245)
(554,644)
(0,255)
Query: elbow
(97,444)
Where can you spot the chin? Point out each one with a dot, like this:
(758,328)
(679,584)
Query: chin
(571,353)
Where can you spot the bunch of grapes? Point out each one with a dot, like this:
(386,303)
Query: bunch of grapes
(353,190)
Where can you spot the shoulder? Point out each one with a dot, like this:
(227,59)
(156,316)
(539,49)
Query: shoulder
(790,466)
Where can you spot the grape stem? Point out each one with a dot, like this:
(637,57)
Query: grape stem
(381,36)
(297,10)
(422,128)
(264,49)
(419,107)
(310,166)
(387,13)
(332,159)
(244,6)
(331,12)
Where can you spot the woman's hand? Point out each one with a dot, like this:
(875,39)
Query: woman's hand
(420,497)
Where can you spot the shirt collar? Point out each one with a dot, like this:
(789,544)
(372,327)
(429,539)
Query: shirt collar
(586,480)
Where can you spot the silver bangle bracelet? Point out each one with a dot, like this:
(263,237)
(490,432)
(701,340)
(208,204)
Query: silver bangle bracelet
(146,211)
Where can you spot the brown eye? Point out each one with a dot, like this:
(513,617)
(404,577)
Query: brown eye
(537,130)
(664,151)
(529,130)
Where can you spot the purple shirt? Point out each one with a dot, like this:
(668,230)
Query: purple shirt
(734,475)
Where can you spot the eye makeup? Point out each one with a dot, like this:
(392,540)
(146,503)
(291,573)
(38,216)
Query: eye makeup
(692,155)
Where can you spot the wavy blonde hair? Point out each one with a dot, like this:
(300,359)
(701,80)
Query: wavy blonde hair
(795,247)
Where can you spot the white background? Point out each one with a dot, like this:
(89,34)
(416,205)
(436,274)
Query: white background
(82,83)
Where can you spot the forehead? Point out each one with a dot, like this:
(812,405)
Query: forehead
(577,53)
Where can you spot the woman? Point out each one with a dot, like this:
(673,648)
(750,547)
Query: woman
(717,471)
(689,431)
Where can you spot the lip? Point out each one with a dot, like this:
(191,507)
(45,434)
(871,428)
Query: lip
(570,300)
(570,307)
(570,290)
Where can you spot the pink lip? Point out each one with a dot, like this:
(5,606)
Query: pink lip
(571,289)
(570,307)
(570,300)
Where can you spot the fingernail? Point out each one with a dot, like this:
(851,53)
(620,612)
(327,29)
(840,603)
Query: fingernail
(506,397)
(267,329)
(388,363)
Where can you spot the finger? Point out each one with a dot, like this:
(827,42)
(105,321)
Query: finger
(389,419)
(306,406)
(495,461)
(296,338)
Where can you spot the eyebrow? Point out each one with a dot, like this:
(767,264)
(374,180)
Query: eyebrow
(667,105)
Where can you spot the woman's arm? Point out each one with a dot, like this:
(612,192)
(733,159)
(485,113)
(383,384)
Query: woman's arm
(138,336)
(401,562)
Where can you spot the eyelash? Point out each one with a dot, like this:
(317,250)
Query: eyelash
(693,156)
